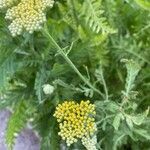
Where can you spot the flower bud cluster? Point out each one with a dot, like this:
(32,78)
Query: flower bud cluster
(27,15)
(48,89)
(75,120)
(89,143)
(6,3)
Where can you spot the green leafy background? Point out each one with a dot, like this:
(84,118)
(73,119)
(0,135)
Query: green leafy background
(109,43)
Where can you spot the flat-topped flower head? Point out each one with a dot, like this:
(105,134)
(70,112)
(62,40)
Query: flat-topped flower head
(28,15)
(75,120)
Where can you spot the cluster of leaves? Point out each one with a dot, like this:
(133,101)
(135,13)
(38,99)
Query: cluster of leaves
(93,36)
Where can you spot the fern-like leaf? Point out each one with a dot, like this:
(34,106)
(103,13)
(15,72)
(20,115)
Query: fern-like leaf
(39,82)
(93,15)
(7,69)
(17,122)
(68,15)
(132,71)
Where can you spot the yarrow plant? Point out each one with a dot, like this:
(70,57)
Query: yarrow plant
(76,121)
(27,15)
(77,48)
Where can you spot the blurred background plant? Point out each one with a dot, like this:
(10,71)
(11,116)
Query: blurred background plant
(93,49)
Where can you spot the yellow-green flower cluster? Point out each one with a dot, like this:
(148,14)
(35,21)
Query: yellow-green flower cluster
(27,15)
(75,120)
(6,3)
(90,143)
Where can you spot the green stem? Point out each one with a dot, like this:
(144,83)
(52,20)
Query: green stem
(99,122)
(104,84)
(62,53)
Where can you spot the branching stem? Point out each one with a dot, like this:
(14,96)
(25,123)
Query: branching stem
(64,55)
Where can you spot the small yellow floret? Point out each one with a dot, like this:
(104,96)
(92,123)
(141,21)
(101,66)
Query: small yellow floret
(75,120)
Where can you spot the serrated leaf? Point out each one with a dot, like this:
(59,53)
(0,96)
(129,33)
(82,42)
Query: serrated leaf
(143,133)
(116,121)
(117,139)
(59,69)
(39,82)
(139,118)
(112,106)
(133,69)
(7,69)
(94,18)
(129,122)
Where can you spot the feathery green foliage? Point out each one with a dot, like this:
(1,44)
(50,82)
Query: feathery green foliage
(17,122)
(93,14)
(82,52)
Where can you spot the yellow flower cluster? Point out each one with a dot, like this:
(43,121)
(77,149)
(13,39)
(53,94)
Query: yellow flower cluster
(27,15)
(75,120)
